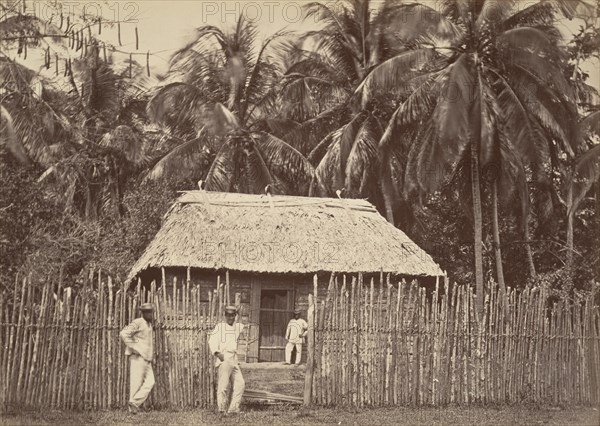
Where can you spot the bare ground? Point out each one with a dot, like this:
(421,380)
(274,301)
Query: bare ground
(289,380)
(274,377)
(299,416)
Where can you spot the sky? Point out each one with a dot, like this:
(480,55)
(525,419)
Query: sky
(164,26)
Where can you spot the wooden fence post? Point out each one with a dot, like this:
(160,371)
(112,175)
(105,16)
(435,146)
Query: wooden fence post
(308,378)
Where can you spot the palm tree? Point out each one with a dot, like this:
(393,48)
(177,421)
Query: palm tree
(31,126)
(221,89)
(583,174)
(584,170)
(355,38)
(81,127)
(108,142)
(498,79)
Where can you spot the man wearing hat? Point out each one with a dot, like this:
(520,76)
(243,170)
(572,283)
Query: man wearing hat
(137,336)
(223,343)
(296,330)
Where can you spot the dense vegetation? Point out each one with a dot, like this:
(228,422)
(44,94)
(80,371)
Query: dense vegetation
(471,127)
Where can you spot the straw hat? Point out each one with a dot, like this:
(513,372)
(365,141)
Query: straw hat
(146,307)
(231,309)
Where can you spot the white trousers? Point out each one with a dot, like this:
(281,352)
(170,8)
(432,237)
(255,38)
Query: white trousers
(229,374)
(288,352)
(141,379)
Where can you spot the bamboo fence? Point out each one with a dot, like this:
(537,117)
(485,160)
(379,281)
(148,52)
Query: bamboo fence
(369,344)
(383,344)
(62,349)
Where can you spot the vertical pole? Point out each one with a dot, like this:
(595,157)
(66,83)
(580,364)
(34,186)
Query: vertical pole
(310,361)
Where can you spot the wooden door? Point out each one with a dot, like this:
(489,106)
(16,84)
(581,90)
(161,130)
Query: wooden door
(275,313)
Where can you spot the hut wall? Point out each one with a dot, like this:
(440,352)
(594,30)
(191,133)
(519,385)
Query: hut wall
(251,286)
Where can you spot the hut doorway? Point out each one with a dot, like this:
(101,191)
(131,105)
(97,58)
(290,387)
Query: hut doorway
(276,307)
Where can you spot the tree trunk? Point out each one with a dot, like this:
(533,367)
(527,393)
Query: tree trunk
(496,231)
(528,250)
(387,191)
(570,243)
(311,188)
(478,227)
(389,211)
(388,202)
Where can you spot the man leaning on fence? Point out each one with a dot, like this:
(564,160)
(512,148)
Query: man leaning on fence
(223,343)
(137,336)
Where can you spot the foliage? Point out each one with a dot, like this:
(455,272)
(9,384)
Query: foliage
(353,41)
(351,106)
(49,243)
(23,206)
(222,89)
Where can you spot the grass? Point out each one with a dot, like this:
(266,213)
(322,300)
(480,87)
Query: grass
(263,414)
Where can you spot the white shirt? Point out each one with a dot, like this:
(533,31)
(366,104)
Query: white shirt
(296,329)
(138,336)
(224,339)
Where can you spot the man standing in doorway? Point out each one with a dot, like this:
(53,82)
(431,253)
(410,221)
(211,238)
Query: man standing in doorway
(296,330)
(223,345)
(137,336)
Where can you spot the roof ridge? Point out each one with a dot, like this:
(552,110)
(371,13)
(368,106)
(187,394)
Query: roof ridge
(361,207)
(225,198)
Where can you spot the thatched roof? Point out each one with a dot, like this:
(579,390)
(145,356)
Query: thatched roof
(281,234)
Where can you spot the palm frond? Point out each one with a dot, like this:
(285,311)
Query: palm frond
(395,71)
(416,20)
(221,174)
(125,140)
(518,123)
(285,162)
(224,120)
(198,42)
(452,112)
(535,40)
(252,85)
(282,126)
(10,139)
(548,111)
(536,13)
(307,135)
(348,139)
(493,12)
(318,152)
(590,124)
(257,173)
(299,102)
(585,173)
(326,172)
(362,161)
(417,106)
(175,103)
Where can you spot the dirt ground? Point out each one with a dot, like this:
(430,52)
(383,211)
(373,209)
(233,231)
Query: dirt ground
(289,380)
(287,415)
(274,377)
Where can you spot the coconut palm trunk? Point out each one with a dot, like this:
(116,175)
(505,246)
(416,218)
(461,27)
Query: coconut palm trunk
(496,232)
(389,211)
(528,250)
(570,244)
(477,226)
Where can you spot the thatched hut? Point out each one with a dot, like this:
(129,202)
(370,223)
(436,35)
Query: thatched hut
(272,246)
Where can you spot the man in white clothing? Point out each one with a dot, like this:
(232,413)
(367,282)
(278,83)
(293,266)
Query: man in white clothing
(296,330)
(137,336)
(223,343)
